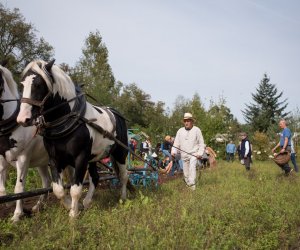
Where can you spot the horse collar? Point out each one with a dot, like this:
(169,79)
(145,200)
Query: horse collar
(64,125)
(10,124)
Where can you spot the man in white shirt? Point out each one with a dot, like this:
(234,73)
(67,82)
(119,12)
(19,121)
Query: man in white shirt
(189,142)
(246,150)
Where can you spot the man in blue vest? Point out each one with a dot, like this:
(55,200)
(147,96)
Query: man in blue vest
(246,150)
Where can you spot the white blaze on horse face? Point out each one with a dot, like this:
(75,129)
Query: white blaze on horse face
(25,108)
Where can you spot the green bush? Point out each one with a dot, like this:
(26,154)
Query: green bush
(261,146)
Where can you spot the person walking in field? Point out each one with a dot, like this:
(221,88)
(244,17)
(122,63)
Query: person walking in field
(246,150)
(284,144)
(230,151)
(189,142)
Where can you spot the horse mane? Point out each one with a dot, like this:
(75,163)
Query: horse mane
(10,81)
(62,82)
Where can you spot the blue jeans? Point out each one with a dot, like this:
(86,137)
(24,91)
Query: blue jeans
(167,153)
(174,167)
(230,156)
(293,159)
(180,162)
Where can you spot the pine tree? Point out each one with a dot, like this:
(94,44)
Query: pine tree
(267,107)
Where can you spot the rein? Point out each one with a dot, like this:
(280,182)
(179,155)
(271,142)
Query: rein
(62,104)
(184,151)
(9,100)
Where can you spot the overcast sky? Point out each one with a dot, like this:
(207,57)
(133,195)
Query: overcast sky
(170,48)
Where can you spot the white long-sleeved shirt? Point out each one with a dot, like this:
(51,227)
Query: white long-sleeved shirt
(190,141)
(247,148)
(292,147)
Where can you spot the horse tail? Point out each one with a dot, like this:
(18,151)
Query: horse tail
(94,173)
(119,152)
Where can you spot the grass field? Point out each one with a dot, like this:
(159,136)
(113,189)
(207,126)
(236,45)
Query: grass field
(230,209)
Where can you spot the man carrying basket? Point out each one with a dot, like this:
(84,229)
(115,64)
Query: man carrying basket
(283,157)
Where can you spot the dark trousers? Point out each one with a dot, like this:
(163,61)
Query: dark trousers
(229,156)
(286,168)
(247,162)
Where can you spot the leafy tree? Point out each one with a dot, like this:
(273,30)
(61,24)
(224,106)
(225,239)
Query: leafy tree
(142,113)
(18,42)
(182,105)
(134,104)
(157,122)
(267,107)
(94,71)
(220,121)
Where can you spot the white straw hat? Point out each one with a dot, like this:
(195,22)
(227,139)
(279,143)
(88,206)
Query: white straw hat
(188,116)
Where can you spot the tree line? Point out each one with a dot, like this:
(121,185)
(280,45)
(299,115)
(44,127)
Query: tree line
(19,45)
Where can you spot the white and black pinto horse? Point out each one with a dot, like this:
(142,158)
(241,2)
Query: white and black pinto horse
(18,145)
(67,122)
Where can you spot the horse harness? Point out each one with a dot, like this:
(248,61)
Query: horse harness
(68,123)
(10,124)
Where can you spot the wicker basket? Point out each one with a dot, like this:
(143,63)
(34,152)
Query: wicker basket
(282,158)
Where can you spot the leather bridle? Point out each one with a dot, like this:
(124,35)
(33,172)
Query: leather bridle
(37,103)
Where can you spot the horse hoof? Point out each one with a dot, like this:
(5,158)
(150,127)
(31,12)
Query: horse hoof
(73,214)
(36,208)
(81,207)
(87,203)
(66,202)
(16,218)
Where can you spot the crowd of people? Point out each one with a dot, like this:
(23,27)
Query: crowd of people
(187,150)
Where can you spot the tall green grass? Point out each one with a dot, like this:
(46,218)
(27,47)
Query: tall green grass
(230,209)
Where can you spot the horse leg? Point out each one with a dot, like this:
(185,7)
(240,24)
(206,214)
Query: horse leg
(22,168)
(68,174)
(3,175)
(58,190)
(93,182)
(44,173)
(123,176)
(57,185)
(81,163)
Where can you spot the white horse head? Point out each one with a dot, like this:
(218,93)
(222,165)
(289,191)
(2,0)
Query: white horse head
(40,80)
